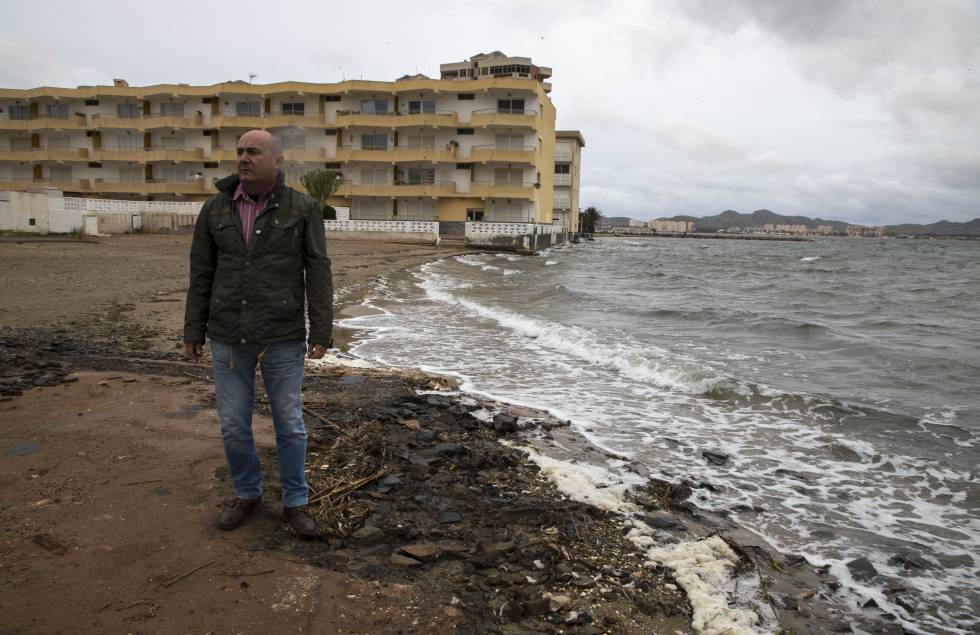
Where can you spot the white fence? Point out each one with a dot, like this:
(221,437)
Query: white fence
(109,206)
(393,230)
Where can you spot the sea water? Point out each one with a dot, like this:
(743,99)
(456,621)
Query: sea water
(840,376)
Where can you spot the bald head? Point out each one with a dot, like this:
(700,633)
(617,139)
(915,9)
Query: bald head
(259,160)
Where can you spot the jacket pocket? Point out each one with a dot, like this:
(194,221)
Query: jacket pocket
(226,234)
(285,234)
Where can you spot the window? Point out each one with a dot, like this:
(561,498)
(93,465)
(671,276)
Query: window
(374,141)
(331,98)
(374,106)
(128,111)
(511,106)
(421,141)
(508,69)
(20,143)
(331,166)
(294,108)
(506,212)
(91,102)
(466,96)
(416,210)
(563,168)
(508,176)
(562,201)
(247,108)
(295,141)
(20,112)
(330,132)
(370,209)
(129,142)
(172,109)
(58,111)
(173,173)
(32,222)
(58,141)
(131,174)
(172,142)
(374,176)
(464,166)
(419,176)
(60,172)
(417,107)
(464,130)
(510,142)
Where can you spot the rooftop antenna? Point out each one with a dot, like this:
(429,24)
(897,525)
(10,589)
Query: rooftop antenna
(252,76)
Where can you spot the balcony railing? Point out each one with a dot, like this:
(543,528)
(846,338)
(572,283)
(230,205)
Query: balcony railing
(44,122)
(369,119)
(397,189)
(45,154)
(73,185)
(563,180)
(503,117)
(142,155)
(151,186)
(487,189)
(504,153)
(266,121)
(435,119)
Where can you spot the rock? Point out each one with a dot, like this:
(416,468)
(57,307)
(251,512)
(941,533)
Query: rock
(412,424)
(368,535)
(908,560)
(404,561)
(68,379)
(907,603)
(439,401)
(504,423)
(424,551)
(495,551)
(714,457)
(862,569)
(870,604)
(583,581)
(512,611)
(557,602)
(449,449)
(426,435)
(449,517)
(662,521)
(537,606)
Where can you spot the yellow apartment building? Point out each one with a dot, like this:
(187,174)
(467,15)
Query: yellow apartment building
(478,144)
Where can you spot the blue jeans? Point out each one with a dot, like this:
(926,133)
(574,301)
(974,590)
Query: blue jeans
(234,388)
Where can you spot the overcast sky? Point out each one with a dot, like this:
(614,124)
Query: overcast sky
(856,110)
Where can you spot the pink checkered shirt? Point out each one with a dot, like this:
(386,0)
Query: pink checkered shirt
(248,209)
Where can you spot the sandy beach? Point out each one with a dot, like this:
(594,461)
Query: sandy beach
(112,477)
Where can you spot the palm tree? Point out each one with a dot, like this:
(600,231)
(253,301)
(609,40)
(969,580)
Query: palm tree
(590,218)
(321,185)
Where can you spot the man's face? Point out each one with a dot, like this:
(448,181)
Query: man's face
(257,163)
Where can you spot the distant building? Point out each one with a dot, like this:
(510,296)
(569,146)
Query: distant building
(865,231)
(670,226)
(824,230)
(568,168)
(618,222)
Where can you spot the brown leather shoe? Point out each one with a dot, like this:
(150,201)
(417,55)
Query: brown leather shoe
(235,513)
(300,521)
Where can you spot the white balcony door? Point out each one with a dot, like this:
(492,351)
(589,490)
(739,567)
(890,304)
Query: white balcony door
(374,176)
(419,142)
(130,174)
(510,142)
(508,176)
(370,209)
(172,142)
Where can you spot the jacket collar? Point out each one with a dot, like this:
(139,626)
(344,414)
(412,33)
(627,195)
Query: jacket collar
(229,184)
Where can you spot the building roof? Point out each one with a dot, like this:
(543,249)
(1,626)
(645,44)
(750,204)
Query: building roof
(570,134)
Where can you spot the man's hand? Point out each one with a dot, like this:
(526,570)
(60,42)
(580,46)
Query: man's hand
(193,350)
(317,351)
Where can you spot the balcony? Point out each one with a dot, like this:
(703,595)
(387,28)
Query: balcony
(505,117)
(504,154)
(142,155)
(563,180)
(46,154)
(397,190)
(43,122)
(427,119)
(153,186)
(267,121)
(302,154)
(347,118)
(563,156)
(171,121)
(484,189)
(100,121)
(72,185)
(422,155)
(360,153)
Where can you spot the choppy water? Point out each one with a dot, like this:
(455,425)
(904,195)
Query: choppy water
(841,376)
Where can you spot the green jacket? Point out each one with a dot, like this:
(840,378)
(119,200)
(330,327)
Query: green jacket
(256,295)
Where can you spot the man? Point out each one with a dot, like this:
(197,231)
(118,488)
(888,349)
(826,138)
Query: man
(259,250)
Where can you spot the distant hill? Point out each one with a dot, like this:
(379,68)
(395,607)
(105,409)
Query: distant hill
(941,228)
(730,218)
